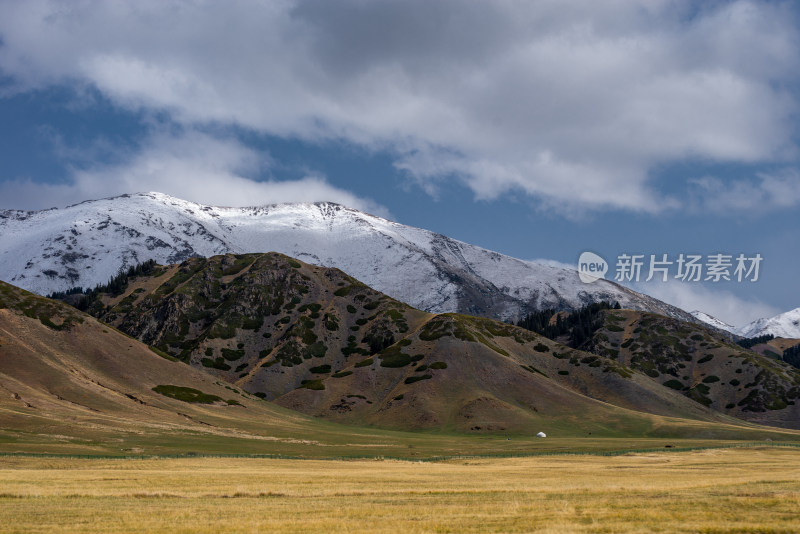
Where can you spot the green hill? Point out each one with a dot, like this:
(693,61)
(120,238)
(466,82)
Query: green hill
(70,384)
(703,366)
(317,341)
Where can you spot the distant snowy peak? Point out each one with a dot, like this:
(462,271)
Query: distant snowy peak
(713,321)
(88,243)
(785,325)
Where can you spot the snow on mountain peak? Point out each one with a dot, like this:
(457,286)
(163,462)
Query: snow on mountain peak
(786,325)
(88,243)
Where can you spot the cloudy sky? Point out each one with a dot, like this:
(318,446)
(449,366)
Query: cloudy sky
(538,129)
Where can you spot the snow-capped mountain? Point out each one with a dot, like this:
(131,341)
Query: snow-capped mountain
(86,244)
(783,325)
(713,321)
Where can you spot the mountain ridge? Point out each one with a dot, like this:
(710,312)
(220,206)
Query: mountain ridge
(703,365)
(87,243)
(319,341)
(73,385)
(784,325)
(713,321)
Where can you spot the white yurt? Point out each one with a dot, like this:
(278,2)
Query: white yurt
(541,435)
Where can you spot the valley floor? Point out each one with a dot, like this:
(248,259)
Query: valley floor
(717,490)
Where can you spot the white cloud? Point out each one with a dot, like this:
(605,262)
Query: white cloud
(722,304)
(770,191)
(191,166)
(573,102)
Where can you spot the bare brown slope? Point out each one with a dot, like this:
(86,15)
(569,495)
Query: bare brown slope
(320,342)
(468,379)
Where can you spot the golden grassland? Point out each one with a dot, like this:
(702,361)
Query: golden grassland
(722,490)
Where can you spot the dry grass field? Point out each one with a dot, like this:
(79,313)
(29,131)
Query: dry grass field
(731,490)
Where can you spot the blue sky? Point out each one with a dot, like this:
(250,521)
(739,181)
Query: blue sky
(539,130)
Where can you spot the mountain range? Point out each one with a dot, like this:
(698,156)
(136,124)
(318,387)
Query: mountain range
(88,243)
(73,384)
(305,333)
(318,341)
(784,325)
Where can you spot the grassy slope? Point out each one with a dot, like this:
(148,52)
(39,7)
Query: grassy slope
(318,341)
(703,366)
(782,343)
(88,389)
(774,347)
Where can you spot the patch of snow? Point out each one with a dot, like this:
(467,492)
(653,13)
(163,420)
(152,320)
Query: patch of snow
(713,321)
